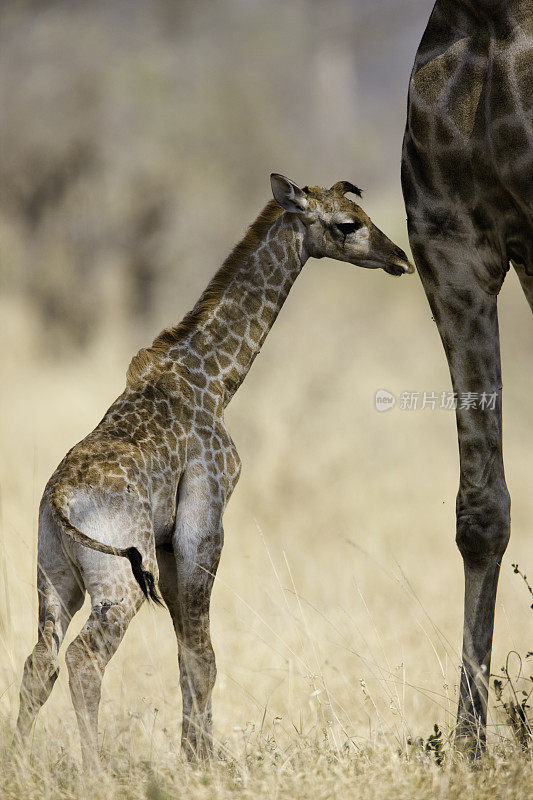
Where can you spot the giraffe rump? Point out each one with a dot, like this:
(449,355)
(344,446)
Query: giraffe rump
(144,578)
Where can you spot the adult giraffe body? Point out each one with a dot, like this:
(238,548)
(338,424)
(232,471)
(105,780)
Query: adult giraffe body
(151,482)
(467,176)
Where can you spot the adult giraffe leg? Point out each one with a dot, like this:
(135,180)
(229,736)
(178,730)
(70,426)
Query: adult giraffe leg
(526,281)
(457,284)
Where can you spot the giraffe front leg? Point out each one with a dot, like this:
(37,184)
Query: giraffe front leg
(189,609)
(197,679)
(466,315)
(195,575)
(186,586)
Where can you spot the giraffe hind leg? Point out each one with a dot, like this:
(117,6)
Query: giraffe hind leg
(42,667)
(115,599)
(90,652)
(60,596)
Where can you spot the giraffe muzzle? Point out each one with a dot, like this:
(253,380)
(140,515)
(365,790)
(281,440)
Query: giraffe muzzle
(389,256)
(399,264)
(399,268)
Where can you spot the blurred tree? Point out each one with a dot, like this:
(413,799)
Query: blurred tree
(137,138)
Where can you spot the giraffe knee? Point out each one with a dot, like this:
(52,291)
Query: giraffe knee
(99,639)
(483,524)
(41,667)
(199,671)
(210,668)
(75,656)
(40,673)
(82,660)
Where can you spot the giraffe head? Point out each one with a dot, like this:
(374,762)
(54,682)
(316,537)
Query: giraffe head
(337,227)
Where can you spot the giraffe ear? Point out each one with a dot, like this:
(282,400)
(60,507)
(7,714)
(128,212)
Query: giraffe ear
(287,194)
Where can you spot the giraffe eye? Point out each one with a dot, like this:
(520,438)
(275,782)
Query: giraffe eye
(348,227)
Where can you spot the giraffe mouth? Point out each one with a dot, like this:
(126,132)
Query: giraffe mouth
(399,268)
(395,268)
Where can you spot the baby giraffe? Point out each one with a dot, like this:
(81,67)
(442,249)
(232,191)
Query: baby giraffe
(138,503)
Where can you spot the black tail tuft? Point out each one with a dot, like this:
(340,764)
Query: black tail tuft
(144,578)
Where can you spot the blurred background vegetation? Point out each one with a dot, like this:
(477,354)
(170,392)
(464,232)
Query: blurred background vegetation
(137,138)
(136,143)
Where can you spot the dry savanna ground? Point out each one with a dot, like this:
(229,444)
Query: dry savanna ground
(336,612)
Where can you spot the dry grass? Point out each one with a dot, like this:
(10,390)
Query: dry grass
(308,769)
(337,607)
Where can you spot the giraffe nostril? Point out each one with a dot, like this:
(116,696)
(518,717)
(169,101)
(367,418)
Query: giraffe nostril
(400,253)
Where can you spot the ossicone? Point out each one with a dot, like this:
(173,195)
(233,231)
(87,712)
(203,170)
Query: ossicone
(343,187)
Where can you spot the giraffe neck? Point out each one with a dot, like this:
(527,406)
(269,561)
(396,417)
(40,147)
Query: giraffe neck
(219,339)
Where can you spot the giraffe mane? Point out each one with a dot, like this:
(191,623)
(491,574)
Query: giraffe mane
(210,297)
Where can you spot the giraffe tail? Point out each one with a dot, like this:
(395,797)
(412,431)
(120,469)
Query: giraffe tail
(144,578)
